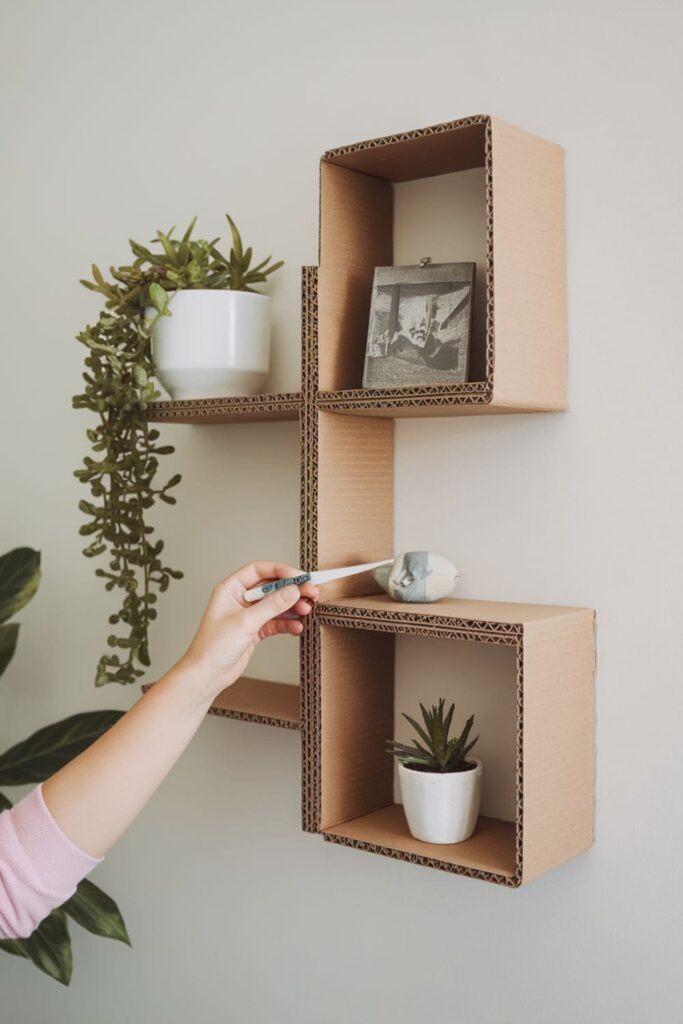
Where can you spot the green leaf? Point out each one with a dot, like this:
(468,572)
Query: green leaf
(19,579)
(5,802)
(49,947)
(236,238)
(188,233)
(159,298)
(97,912)
(8,641)
(420,731)
(50,748)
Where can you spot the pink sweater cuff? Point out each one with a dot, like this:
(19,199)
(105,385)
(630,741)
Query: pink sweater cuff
(58,861)
(39,866)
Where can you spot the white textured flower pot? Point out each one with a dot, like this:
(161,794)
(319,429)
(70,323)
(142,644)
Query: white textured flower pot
(214,344)
(441,807)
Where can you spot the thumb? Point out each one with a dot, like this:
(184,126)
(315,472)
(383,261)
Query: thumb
(271,606)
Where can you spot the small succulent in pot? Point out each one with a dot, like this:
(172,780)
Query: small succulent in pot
(210,325)
(440,785)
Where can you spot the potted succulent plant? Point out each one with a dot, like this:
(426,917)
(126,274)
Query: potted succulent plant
(211,328)
(440,784)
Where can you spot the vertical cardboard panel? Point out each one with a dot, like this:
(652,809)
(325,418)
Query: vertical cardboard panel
(357,670)
(356,214)
(530,319)
(558,740)
(355,497)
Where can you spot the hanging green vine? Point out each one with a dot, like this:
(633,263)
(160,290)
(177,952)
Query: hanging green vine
(122,471)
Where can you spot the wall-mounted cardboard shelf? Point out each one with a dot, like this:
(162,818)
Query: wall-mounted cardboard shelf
(245,409)
(257,700)
(345,705)
(518,355)
(553,682)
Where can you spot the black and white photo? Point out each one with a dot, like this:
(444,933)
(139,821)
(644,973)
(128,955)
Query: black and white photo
(420,325)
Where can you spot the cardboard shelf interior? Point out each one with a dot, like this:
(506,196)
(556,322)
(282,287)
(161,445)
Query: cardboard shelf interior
(357,234)
(491,848)
(243,409)
(358,698)
(259,700)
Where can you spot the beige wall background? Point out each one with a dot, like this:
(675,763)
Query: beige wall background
(119,118)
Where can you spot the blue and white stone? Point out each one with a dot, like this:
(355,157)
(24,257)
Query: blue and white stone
(418,577)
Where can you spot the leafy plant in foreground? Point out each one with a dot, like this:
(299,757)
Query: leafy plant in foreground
(34,760)
(437,752)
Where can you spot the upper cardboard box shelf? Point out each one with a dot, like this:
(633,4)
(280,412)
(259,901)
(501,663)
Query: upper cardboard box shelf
(518,349)
(245,409)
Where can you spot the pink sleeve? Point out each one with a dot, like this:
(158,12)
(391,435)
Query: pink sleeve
(39,866)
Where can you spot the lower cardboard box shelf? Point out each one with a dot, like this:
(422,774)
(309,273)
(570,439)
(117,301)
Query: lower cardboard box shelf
(550,669)
(491,850)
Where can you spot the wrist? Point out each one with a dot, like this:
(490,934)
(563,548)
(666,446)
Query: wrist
(195,680)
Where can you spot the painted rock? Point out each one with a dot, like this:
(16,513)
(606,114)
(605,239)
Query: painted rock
(417,576)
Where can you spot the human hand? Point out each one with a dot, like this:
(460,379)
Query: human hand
(231,628)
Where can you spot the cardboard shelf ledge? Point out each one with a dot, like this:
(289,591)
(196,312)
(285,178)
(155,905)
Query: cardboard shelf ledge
(466,399)
(491,850)
(456,611)
(242,409)
(257,700)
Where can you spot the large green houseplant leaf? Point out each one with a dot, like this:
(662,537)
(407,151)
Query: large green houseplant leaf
(34,760)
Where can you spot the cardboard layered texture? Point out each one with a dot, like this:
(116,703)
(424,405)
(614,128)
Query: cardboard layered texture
(258,700)
(519,365)
(242,409)
(554,769)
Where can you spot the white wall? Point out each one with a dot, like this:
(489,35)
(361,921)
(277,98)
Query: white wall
(121,117)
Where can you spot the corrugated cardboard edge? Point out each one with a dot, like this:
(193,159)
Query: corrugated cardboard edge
(286,405)
(309,647)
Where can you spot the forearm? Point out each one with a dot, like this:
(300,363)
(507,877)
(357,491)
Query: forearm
(96,796)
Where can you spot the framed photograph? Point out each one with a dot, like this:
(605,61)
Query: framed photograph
(420,325)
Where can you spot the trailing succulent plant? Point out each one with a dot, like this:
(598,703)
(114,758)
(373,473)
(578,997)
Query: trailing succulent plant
(32,761)
(437,752)
(122,470)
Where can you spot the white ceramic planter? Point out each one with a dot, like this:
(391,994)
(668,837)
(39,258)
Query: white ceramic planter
(441,807)
(214,344)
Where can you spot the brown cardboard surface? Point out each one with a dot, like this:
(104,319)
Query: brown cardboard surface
(355,483)
(524,368)
(356,216)
(451,146)
(245,408)
(467,612)
(257,700)
(490,850)
(530,333)
(357,687)
(558,740)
